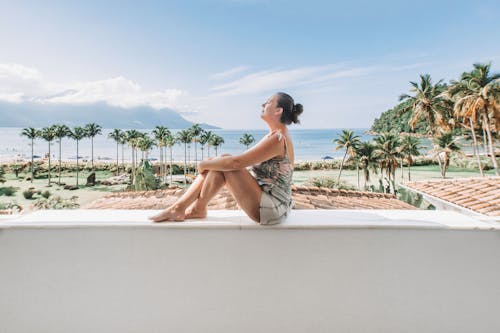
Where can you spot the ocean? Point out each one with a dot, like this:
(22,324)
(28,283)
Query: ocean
(310,144)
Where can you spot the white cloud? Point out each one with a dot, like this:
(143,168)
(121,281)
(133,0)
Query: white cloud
(117,91)
(19,83)
(267,80)
(228,73)
(19,72)
(312,77)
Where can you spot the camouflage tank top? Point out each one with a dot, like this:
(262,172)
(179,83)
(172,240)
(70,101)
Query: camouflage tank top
(274,176)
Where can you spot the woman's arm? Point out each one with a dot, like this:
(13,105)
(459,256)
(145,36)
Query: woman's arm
(267,148)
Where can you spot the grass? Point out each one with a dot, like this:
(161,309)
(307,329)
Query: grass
(417,173)
(85,194)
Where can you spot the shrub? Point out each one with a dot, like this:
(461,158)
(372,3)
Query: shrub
(10,205)
(329,183)
(46,194)
(8,191)
(28,194)
(56,202)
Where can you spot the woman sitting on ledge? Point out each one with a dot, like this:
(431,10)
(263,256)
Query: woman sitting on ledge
(265,192)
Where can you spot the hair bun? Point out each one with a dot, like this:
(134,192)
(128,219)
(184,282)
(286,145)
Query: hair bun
(296,112)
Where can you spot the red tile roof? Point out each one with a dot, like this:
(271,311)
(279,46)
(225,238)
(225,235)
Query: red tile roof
(305,197)
(480,194)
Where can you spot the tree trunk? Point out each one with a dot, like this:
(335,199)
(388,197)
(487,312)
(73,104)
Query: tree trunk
(117,157)
(446,164)
(32,159)
(185,153)
(409,167)
(92,153)
(490,145)
(341,166)
(49,163)
(60,139)
(475,147)
(357,171)
(402,171)
(77,157)
(485,145)
(367,176)
(161,163)
(195,158)
(133,165)
(189,156)
(440,165)
(170,165)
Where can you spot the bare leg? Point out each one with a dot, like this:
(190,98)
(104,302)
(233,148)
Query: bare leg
(242,186)
(245,190)
(176,212)
(213,183)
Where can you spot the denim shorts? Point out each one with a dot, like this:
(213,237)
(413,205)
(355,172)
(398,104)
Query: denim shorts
(272,210)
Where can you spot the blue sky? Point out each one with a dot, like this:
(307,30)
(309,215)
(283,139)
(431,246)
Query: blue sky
(216,61)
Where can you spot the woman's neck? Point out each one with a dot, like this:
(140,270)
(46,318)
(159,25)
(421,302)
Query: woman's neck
(279,127)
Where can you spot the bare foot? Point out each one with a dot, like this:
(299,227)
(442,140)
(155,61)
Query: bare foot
(170,214)
(196,213)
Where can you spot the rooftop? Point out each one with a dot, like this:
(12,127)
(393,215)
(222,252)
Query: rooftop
(305,197)
(479,194)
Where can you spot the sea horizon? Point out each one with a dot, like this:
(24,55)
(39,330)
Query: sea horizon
(309,144)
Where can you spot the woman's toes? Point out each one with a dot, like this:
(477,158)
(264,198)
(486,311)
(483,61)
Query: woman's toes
(168,215)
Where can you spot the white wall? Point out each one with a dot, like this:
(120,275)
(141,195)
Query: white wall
(322,271)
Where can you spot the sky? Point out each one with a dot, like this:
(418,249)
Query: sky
(217,61)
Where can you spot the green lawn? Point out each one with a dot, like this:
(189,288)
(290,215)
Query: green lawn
(85,194)
(417,173)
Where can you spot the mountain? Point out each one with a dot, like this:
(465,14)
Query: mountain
(108,116)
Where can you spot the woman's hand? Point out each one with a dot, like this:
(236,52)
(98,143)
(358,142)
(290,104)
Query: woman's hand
(201,167)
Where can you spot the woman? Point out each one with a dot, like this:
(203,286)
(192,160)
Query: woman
(265,192)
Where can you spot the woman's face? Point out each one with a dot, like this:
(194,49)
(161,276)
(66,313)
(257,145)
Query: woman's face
(270,109)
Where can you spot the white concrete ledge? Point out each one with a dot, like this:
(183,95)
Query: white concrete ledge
(321,271)
(299,219)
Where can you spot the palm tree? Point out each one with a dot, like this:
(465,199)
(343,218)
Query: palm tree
(48,134)
(145,144)
(117,136)
(196,130)
(444,145)
(367,159)
(160,133)
(132,136)
(347,141)
(78,133)
(477,96)
(60,132)
(205,140)
(388,152)
(123,141)
(170,142)
(92,130)
(31,133)
(216,141)
(410,146)
(247,140)
(184,137)
(429,102)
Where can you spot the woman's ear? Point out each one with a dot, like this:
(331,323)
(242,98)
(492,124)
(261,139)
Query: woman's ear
(279,111)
